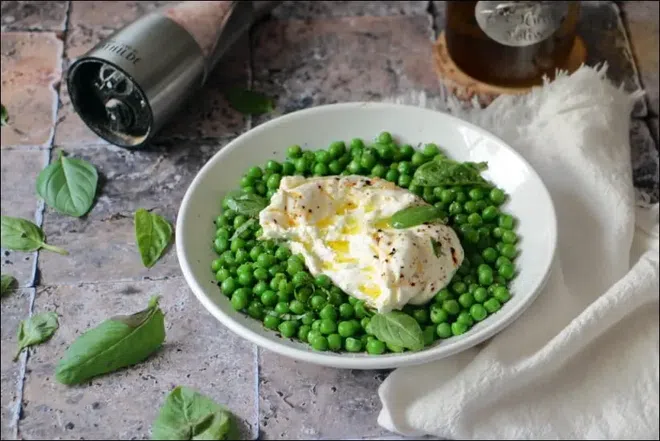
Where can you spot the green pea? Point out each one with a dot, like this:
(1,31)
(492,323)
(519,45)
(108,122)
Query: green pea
(336,297)
(307,318)
(334,342)
(375,347)
(303,331)
(319,343)
(322,281)
(501,261)
(490,213)
(506,222)
(451,306)
(282,307)
(447,196)
(242,256)
(501,293)
(346,311)
(347,328)
(379,171)
(228,286)
(285,287)
(274,181)
(405,168)
(352,300)
(458,328)
(392,175)
(442,295)
(288,328)
(354,167)
(328,326)
(288,168)
(485,278)
(353,345)
(296,307)
(335,167)
(492,305)
(336,149)
(507,271)
(364,322)
(384,138)
(222,274)
(509,237)
(455,208)
(478,312)
(367,160)
(360,310)
(466,300)
(438,315)
(317,302)
(407,151)
(323,157)
(301,278)
(421,315)
(240,299)
(245,279)
(255,172)
(269,298)
(476,194)
(489,254)
(303,293)
(260,288)
(357,143)
(321,169)
(316,325)
(220,245)
(328,312)
(461,197)
(294,268)
(480,295)
(313,333)
(404,181)
(470,207)
(301,165)
(497,196)
(508,250)
(459,287)
(465,318)
(255,310)
(443,330)
(430,150)
(271,322)
(295,151)
(474,219)
(418,159)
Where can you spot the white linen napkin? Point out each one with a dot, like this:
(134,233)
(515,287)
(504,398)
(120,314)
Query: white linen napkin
(582,361)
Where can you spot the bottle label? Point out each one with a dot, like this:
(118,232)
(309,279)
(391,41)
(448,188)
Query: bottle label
(520,23)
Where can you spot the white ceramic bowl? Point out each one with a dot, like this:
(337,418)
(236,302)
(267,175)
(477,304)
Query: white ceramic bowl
(316,128)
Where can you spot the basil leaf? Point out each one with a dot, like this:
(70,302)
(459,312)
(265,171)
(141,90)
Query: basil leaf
(36,329)
(22,235)
(4,116)
(245,226)
(246,204)
(152,233)
(116,343)
(397,328)
(7,283)
(249,102)
(68,185)
(187,415)
(445,172)
(413,216)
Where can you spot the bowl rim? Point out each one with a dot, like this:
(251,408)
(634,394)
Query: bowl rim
(349,361)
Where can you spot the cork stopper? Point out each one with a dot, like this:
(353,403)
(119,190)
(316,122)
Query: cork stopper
(467,89)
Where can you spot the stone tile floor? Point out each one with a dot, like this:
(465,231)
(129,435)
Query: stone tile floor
(292,56)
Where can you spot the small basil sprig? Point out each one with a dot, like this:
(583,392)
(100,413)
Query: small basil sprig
(446,172)
(243,228)
(152,233)
(186,415)
(247,204)
(22,235)
(7,284)
(249,102)
(417,215)
(116,343)
(398,329)
(68,185)
(36,329)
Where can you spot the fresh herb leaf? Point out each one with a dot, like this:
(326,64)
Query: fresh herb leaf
(244,227)
(68,185)
(7,284)
(189,415)
(246,204)
(4,116)
(417,215)
(36,329)
(22,235)
(152,233)
(446,172)
(437,248)
(249,102)
(397,328)
(116,343)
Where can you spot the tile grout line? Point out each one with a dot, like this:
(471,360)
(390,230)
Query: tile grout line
(39,218)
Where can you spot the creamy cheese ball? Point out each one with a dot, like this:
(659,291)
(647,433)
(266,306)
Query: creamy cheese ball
(340,225)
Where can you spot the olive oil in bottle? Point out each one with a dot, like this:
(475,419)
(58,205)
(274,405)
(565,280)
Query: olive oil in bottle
(510,44)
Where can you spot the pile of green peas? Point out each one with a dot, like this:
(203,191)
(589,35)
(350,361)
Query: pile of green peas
(265,281)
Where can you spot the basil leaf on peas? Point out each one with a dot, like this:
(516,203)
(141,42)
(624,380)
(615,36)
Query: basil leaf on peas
(398,329)
(35,330)
(446,172)
(68,185)
(413,216)
(244,227)
(116,343)
(20,234)
(187,415)
(246,204)
(153,234)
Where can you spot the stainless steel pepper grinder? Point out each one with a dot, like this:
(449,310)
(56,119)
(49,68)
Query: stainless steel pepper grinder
(128,86)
